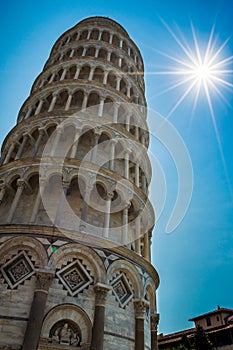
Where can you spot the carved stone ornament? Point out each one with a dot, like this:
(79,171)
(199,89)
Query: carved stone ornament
(140,306)
(154,321)
(101,292)
(44,280)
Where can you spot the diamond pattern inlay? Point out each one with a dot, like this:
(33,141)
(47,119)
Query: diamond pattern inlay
(74,277)
(122,290)
(17,270)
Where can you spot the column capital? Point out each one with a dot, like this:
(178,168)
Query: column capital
(44,279)
(101,292)
(109,195)
(140,306)
(65,184)
(154,321)
(21,183)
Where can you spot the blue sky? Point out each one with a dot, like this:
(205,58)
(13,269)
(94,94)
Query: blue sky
(195,261)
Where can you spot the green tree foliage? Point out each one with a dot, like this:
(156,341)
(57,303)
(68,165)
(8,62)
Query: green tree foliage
(185,342)
(201,341)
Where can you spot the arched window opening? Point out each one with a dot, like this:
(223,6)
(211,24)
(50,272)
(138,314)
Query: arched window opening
(84,73)
(73,37)
(115,40)
(61,100)
(111,80)
(90,51)
(102,54)
(77,100)
(108,109)
(124,47)
(83,35)
(123,87)
(124,66)
(79,52)
(98,75)
(93,99)
(71,72)
(114,59)
(105,36)
(94,34)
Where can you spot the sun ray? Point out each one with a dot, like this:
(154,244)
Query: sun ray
(218,139)
(181,99)
(200,68)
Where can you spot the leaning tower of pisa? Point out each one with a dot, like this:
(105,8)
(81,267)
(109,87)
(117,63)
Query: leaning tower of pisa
(75,219)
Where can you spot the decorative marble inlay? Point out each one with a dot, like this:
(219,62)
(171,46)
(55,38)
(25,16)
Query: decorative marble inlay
(75,277)
(17,270)
(122,290)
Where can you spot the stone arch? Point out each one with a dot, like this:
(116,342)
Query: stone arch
(103,54)
(90,51)
(36,249)
(73,36)
(79,251)
(83,35)
(61,100)
(111,79)
(131,272)
(149,294)
(94,34)
(84,72)
(98,74)
(68,312)
(115,40)
(77,99)
(79,51)
(124,46)
(105,36)
(93,99)
(123,86)
(114,59)
(108,110)
(71,72)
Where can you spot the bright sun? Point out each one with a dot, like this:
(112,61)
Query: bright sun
(200,71)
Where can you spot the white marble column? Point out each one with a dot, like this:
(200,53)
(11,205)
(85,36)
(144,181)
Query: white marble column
(86,202)
(126,171)
(63,74)
(38,141)
(77,73)
(38,109)
(105,77)
(101,107)
(56,140)
(21,147)
(75,143)
(28,112)
(137,180)
(112,154)
(42,184)
(84,104)
(68,102)
(91,73)
(9,153)
(125,228)
(52,104)
(20,188)
(107,212)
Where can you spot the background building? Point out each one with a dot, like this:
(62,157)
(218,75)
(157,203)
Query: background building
(75,220)
(217,324)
